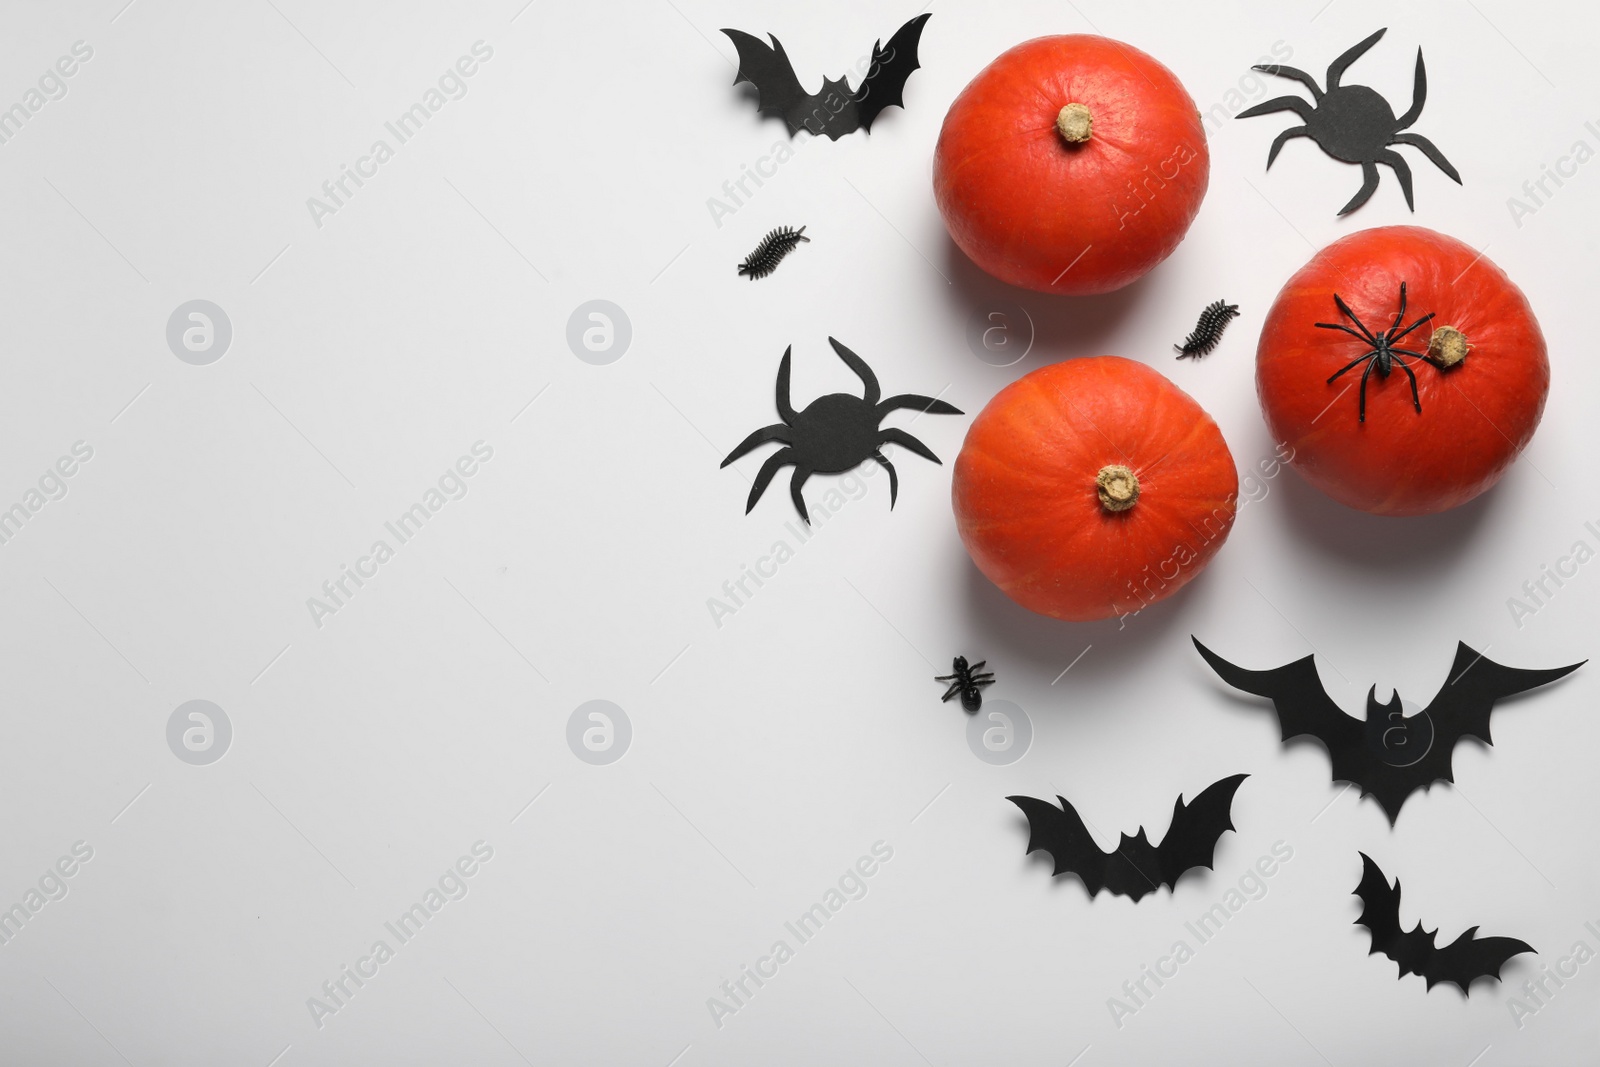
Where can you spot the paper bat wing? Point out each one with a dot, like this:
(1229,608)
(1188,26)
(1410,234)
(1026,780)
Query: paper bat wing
(1470,957)
(1060,832)
(1303,706)
(778,91)
(1469,694)
(1191,840)
(1461,708)
(885,82)
(1380,914)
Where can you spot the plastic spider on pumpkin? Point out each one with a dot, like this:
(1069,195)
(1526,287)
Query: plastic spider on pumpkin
(1383,351)
(1354,123)
(834,433)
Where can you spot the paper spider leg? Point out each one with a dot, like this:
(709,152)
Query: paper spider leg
(786,410)
(1337,68)
(1419,95)
(1369,185)
(869,380)
(801,473)
(894,478)
(1277,144)
(925,404)
(1349,366)
(765,475)
(1416,140)
(1402,170)
(775,432)
(1292,72)
(1280,103)
(895,436)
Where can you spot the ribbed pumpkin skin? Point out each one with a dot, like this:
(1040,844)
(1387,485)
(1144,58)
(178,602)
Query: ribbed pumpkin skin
(1476,417)
(1027,506)
(1025,206)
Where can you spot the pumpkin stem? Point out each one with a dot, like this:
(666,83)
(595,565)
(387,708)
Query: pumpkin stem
(1074,123)
(1447,347)
(1118,487)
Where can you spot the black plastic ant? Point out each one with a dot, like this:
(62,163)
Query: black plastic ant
(968,681)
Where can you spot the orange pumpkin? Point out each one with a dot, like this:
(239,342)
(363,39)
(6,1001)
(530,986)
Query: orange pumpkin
(1362,432)
(1093,488)
(1071,164)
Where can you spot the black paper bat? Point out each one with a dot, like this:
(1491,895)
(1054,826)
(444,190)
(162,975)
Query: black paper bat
(1390,755)
(1137,867)
(1466,958)
(838,109)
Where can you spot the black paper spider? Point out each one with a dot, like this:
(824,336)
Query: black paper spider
(1383,355)
(968,681)
(1354,124)
(834,433)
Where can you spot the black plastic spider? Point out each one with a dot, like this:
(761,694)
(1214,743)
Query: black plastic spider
(968,681)
(1354,124)
(1383,356)
(834,433)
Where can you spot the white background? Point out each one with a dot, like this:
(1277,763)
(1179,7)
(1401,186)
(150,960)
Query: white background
(768,753)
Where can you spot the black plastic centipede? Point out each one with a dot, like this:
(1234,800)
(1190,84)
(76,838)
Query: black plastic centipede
(770,252)
(1207,330)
